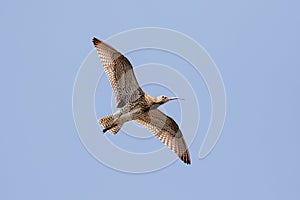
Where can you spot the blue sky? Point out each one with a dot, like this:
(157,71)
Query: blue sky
(255,45)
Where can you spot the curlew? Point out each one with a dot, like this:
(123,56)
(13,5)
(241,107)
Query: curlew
(134,104)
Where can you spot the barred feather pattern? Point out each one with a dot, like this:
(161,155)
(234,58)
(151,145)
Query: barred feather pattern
(166,129)
(120,74)
(107,122)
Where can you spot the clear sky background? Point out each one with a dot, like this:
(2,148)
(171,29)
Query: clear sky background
(254,43)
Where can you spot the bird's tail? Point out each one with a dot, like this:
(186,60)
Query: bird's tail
(108,124)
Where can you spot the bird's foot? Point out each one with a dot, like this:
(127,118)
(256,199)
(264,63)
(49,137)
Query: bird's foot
(104,130)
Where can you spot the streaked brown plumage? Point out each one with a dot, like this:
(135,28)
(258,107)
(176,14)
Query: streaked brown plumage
(136,105)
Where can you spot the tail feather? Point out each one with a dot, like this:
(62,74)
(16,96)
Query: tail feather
(108,124)
(114,130)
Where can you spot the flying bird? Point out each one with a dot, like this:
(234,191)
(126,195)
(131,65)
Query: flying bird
(135,104)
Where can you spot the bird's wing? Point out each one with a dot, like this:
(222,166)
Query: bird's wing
(166,129)
(120,74)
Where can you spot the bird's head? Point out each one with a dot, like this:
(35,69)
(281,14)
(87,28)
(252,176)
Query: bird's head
(163,99)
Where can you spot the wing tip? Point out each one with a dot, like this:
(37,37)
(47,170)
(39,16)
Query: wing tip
(185,157)
(188,162)
(96,41)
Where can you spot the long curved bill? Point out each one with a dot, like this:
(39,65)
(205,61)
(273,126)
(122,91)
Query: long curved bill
(175,98)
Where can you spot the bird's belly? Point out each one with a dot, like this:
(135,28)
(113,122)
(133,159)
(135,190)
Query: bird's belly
(130,114)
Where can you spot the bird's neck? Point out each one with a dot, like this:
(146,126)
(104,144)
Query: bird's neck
(152,102)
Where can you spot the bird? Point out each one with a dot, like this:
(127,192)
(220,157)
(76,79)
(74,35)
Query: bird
(134,104)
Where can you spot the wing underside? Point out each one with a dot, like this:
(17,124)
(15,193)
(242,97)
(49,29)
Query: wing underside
(166,129)
(120,74)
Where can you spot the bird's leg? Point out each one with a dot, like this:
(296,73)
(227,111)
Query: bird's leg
(106,129)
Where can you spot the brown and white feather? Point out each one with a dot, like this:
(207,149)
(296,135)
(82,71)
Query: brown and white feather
(120,74)
(167,130)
